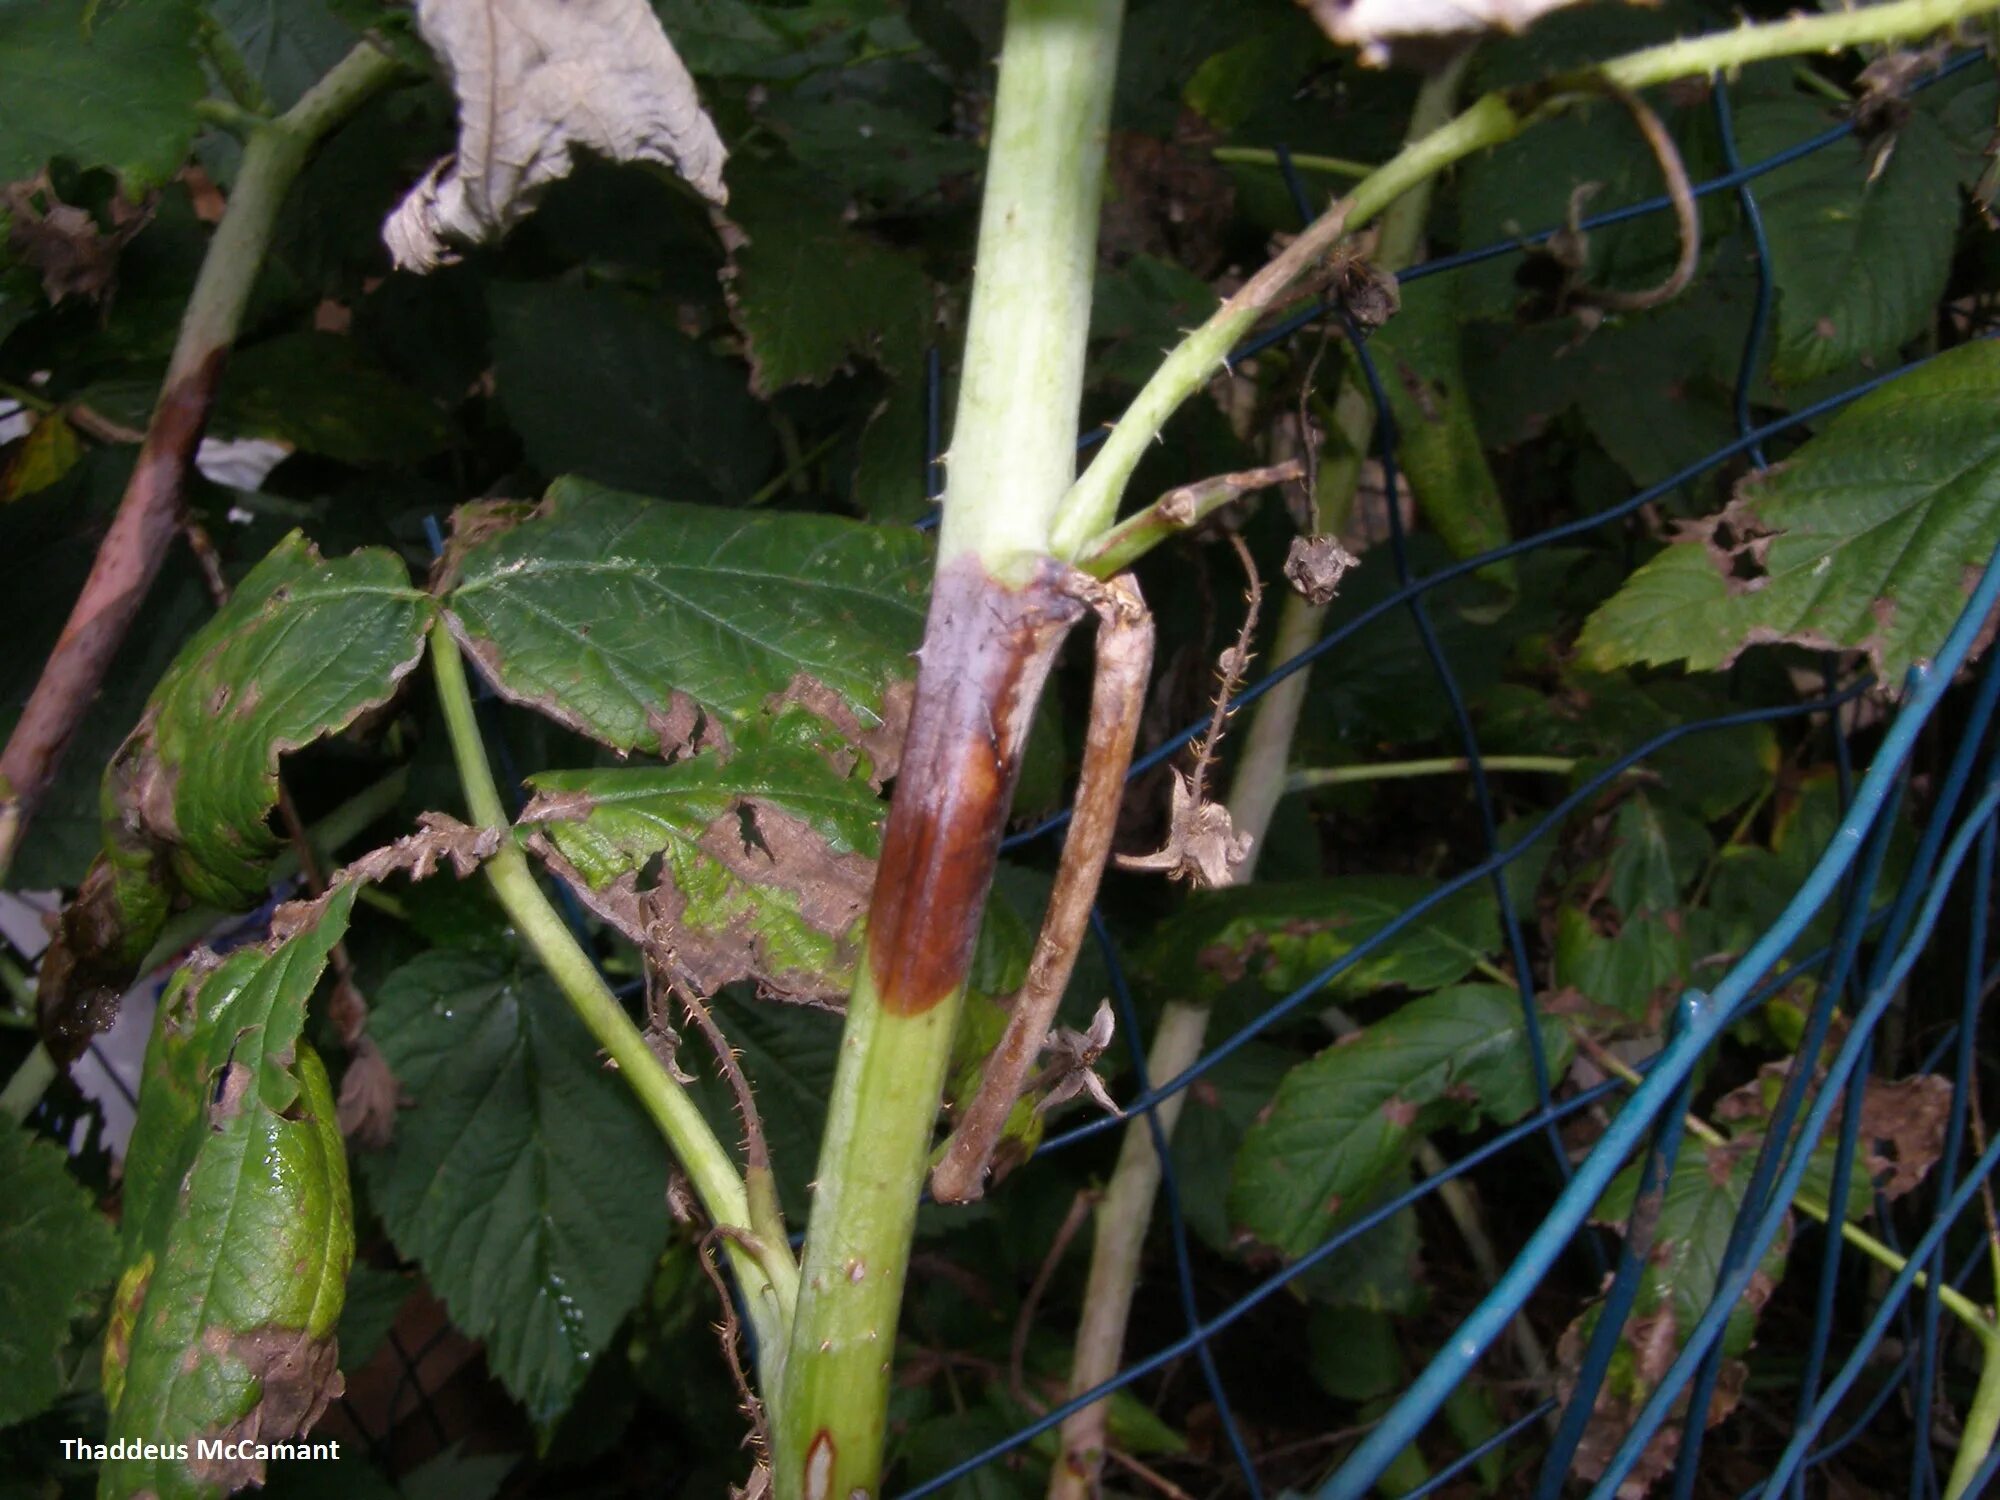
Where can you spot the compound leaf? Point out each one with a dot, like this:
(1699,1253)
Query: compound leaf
(1342,1121)
(606,610)
(528,1186)
(1870,538)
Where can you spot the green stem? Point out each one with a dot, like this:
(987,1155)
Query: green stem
(1252,156)
(1092,503)
(20,991)
(227,59)
(1013,444)
(1255,789)
(25,1089)
(796,463)
(1982,1421)
(1012,457)
(767,1273)
(1445,765)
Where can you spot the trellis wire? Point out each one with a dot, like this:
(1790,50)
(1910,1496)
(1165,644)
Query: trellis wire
(1847,873)
(1654,1112)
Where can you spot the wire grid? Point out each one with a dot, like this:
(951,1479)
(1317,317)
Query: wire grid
(1652,1118)
(1872,952)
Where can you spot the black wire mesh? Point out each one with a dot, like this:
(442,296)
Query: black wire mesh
(1867,962)
(1872,952)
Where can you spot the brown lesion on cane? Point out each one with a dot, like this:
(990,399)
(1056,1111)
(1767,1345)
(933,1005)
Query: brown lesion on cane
(1118,694)
(987,651)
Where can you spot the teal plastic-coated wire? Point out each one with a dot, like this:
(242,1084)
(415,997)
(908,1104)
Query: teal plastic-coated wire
(1618,1301)
(1708,1329)
(1923,1469)
(1737,1251)
(1478,1156)
(1415,1408)
(1933,1237)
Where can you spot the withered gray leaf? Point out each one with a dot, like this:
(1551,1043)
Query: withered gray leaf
(535,80)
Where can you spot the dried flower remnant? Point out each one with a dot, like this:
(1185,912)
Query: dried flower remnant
(1315,566)
(1073,1057)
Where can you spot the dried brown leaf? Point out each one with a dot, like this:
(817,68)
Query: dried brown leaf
(536,80)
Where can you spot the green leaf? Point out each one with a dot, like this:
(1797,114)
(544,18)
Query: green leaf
(605,385)
(1860,260)
(765,856)
(604,607)
(890,458)
(238,1227)
(810,294)
(1525,187)
(1870,538)
(894,149)
(529,1189)
(724,38)
(1283,932)
(301,650)
(1625,945)
(1138,312)
(188,798)
(324,394)
(1344,1120)
(103,83)
(1221,1105)
(58,1251)
(1696,1209)
(374,1298)
(286,44)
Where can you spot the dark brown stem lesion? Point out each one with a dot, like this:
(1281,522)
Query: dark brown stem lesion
(1124,661)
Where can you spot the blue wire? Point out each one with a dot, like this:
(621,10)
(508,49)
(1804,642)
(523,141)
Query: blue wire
(1417,1405)
(1728,1289)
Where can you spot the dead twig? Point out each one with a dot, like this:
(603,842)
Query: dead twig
(730,1331)
(756,1149)
(1124,660)
(1568,245)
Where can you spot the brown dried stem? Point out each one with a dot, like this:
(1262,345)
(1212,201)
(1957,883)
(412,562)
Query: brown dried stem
(129,557)
(1687,217)
(730,1331)
(1118,698)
